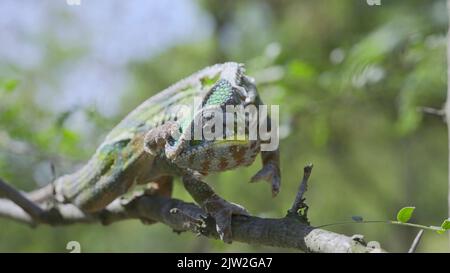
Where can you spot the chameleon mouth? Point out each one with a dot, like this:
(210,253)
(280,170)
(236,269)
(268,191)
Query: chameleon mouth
(199,146)
(232,142)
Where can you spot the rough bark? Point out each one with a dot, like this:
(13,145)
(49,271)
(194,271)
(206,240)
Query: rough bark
(291,231)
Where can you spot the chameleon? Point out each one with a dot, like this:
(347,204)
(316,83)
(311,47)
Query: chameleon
(152,145)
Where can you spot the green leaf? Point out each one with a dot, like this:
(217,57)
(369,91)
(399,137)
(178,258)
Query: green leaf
(69,141)
(10,85)
(409,120)
(405,214)
(302,70)
(439,230)
(446,224)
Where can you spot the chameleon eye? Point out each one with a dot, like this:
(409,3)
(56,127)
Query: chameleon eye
(171,141)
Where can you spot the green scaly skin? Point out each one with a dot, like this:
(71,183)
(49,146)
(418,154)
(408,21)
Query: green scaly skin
(142,148)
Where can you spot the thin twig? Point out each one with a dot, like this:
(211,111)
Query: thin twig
(299,201)
(53,171)
(416,242)
(18,198)
(432,111)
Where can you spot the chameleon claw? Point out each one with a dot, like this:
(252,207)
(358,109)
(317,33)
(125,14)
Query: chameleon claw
(271,174)
(157,138)
(222,211)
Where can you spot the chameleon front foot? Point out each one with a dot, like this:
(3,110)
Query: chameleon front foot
(270,173)
(156,138)
(222,210)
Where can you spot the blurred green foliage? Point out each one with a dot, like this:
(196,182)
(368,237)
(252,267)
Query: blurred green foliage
(350,80)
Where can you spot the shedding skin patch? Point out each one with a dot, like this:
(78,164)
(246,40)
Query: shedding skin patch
(223,163)
(210,153)
(238,154)
(205,165)
(251,154)
(191,160)
(208,160)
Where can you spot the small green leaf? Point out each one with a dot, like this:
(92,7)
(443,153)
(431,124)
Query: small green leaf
(446,224)
(439,230)
(10,85)
(357,218)
(405,214)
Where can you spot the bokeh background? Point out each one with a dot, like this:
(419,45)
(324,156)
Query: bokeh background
(351,80)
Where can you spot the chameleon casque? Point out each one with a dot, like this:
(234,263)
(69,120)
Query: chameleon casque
(151,144)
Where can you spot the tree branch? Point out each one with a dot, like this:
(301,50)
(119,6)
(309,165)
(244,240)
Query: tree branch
(287,232)
(291,231)
(299,202)
(416,242)
(18,198)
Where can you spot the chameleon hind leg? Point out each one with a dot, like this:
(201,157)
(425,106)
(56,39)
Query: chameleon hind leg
(162,186)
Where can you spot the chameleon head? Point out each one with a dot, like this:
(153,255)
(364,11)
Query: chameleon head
(209,139)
